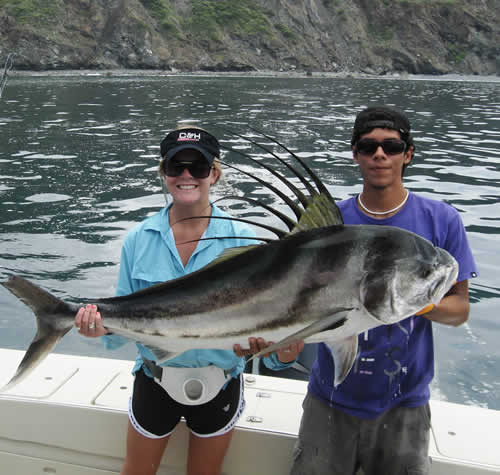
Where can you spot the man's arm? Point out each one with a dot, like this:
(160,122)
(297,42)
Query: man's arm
(453,308)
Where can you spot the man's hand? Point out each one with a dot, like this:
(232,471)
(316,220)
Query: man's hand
(426,309)
(290,353)
(285,355)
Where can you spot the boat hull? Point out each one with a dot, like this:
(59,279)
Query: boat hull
(70,417)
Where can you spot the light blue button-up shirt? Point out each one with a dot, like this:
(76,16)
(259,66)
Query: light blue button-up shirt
(149,256)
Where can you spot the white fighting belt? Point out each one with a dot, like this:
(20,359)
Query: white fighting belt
(193,386)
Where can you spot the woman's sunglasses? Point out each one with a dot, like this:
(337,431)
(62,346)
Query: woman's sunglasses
(389,146)
(197,169)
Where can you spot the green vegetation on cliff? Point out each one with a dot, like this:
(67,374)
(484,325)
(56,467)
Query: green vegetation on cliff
(162,12)
(371,36)
(210,20)
(242,18)
(33,12)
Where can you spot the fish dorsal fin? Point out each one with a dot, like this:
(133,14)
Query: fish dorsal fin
(316,207)
(321,211)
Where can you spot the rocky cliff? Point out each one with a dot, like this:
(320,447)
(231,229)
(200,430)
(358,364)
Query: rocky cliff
(371,36)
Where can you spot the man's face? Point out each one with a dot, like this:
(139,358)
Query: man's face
(381,168)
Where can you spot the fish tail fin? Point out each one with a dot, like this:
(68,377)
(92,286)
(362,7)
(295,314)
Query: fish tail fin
(48,310)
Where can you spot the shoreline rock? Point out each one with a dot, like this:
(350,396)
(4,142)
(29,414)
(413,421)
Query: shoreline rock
(116,73)
(378,38)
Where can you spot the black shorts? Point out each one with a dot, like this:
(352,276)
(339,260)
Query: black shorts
(154,414)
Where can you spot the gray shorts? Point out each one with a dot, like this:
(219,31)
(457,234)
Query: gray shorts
(332,442)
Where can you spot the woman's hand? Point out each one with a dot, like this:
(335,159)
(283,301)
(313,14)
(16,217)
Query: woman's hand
(285,355)
(89,323)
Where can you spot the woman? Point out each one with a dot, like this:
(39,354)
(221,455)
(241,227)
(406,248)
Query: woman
(156,251)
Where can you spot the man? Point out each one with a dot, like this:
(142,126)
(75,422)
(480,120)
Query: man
(379,418)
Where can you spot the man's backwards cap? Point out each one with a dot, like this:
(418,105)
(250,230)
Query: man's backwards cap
(383,117)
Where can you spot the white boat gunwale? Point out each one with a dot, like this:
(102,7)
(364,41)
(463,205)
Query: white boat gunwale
(70,417)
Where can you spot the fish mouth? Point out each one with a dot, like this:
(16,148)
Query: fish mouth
(437,289)
(443,284)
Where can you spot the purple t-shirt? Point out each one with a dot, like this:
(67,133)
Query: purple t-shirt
(395,363)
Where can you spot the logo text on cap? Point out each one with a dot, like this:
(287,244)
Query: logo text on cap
(191,136)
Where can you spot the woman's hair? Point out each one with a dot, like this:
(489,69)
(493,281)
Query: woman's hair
(216,164)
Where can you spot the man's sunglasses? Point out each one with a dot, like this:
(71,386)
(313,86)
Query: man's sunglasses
(197,169)
(389,146)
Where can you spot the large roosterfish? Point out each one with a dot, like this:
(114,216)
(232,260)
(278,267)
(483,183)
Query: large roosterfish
(320,281)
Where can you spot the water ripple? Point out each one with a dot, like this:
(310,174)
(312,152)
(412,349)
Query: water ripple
(78,169)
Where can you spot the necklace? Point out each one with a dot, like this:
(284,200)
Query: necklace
(400,205)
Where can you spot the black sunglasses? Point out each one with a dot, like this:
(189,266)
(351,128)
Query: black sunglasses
(197,169)
(389,146)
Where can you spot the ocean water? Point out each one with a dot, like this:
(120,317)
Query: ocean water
(78,169)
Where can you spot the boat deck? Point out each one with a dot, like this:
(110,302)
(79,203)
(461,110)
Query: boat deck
(70,416)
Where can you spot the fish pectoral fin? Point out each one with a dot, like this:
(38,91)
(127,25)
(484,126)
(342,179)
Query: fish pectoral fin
(298,366)
(344,354)
(333,320)
(160,354)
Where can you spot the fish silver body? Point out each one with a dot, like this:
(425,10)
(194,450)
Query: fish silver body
(325,284)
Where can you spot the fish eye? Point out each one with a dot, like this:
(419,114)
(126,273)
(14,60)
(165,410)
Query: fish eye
(426,273)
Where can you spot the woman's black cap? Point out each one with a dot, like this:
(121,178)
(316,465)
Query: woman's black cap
(193,138)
